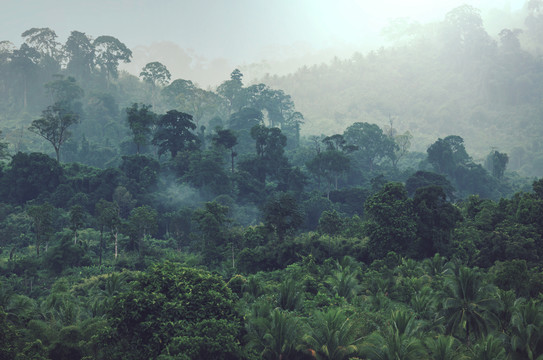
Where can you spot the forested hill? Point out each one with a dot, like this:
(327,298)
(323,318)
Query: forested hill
(148,218)
(450,77)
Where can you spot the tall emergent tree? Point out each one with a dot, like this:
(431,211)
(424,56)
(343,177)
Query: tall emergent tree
(80,55)
(140,120)
(226,139)
(174,133)
(53,125)
(109,51)
(156,74)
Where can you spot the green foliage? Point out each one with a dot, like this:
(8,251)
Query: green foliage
(175,310)
(53,125)
(333,335)
(397,341)
(289,296)
(66,254)
(156,74)
(275,336)
(370,142)
(436,220)
(42,219)
(175,133)
(282,214)
(392,222)
(141,171)
(30,175)
(469,306)
(330,223)
(140,119)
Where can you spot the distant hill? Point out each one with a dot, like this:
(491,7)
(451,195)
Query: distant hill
(447,78)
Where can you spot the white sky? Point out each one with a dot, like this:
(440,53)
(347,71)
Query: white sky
(235,31)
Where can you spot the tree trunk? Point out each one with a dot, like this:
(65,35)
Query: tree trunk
(116,237)
(101,242)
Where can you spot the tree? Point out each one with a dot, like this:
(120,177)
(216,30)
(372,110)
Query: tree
(392,223)
(465,37)
(186,97)
(282,214)
(226,139)
(180,225)
(436,219)
(42,218)
(140,120)
(107,214)
(206,170)
(245,119)
(30,175)
(80,53)
(77,214)
(330,222)
(4,154)
(469,306)
(275,336)
(397,341)
(403,143)
(371,143)
(65,91)
(200,321)
(43,40)
(141,171)
(155,74)
(426,178)
(231,91)
(270,147)
(24,63)
(446,154)
(53,125)
(108,52)
(142,223)
(496,162)
(332,335)
(331,164)
(212,221)
(527,329)
(489,348)
(175,133)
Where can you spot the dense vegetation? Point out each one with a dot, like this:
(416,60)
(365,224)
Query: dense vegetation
(152,219)
(447,77)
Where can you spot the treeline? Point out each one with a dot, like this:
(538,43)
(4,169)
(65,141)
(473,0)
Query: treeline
(447,77)
(373,288)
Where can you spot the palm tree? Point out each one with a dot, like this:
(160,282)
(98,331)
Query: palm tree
(332,335)
(489,348)
(276,336)
(469,306)
(444,348)
(343,282)
(527,330)
(397,341)
(290,295)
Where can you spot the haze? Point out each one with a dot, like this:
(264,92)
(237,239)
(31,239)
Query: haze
(204,40)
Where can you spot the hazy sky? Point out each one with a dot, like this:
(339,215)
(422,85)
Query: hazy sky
(227,33)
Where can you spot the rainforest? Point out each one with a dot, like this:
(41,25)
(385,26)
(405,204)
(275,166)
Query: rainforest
(382,206)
